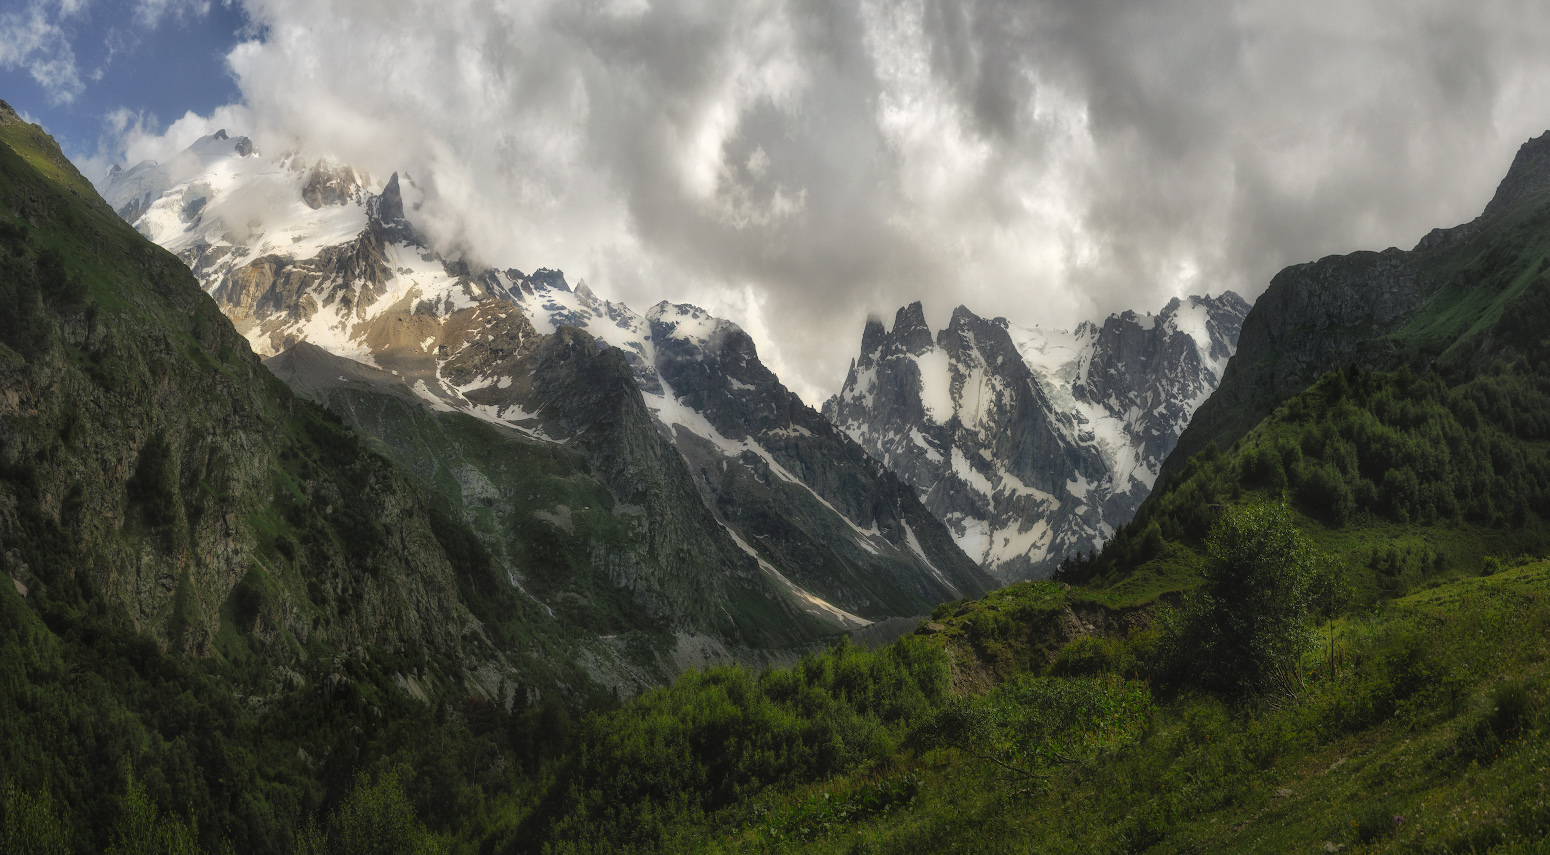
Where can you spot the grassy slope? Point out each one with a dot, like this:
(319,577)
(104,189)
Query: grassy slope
(1408,723)
(1431,707)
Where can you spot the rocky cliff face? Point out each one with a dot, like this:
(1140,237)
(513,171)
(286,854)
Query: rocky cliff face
(1032,444)
(798,495)
(752,481)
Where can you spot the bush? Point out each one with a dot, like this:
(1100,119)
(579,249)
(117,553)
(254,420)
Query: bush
(725,734)
(1033,724)
(1325,494)
(142,829)
(1090,655)
(1246,628)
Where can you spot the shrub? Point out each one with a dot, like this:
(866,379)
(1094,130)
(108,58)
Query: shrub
(142,829)
(1246,628)
(1032,724)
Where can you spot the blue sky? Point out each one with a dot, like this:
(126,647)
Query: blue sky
(155,59)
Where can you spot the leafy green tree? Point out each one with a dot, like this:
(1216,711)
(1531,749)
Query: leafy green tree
(1245,630)
(376,818)
(28,824)
(143,830)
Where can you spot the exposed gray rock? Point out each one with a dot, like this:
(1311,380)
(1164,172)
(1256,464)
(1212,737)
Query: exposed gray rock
(1032,444)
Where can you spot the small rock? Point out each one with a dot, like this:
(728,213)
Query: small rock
(20,588)
(1283,793)
(931,627)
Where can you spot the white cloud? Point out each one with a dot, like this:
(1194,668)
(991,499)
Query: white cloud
(34,37)
(150,13)
(798,164)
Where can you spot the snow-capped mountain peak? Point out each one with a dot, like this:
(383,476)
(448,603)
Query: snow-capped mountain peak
(1032,443)
(297,250)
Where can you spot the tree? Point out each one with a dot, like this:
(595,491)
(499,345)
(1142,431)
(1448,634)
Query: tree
(142,829)
(375,818)
(28,823)
(1245,630)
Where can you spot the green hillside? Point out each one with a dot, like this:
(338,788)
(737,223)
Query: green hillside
(1400,709)
(218,601)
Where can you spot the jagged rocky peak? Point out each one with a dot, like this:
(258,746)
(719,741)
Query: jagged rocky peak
(872,336)
(911,333)
(1032,443)
(330,183)
(387,206)
(693,326)
(1529,175)
(545,278)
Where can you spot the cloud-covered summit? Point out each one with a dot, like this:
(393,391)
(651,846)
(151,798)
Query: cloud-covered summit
(795,165)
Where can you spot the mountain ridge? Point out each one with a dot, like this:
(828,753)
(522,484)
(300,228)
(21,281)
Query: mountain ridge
(1033,444)
(1381,310)
(342,267)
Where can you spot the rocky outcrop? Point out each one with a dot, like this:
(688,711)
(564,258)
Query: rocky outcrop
(1528,177)
(1314,317)
(331,184)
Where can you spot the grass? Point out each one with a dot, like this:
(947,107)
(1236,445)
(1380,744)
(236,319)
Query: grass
(1174,572)
(1406,724)
(1460,310)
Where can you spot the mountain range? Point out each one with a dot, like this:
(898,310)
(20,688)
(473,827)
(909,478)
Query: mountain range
(1034,444)
(829,515)
(705,461)
(360,548)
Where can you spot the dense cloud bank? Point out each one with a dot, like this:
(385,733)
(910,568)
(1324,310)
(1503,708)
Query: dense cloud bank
(795,164)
